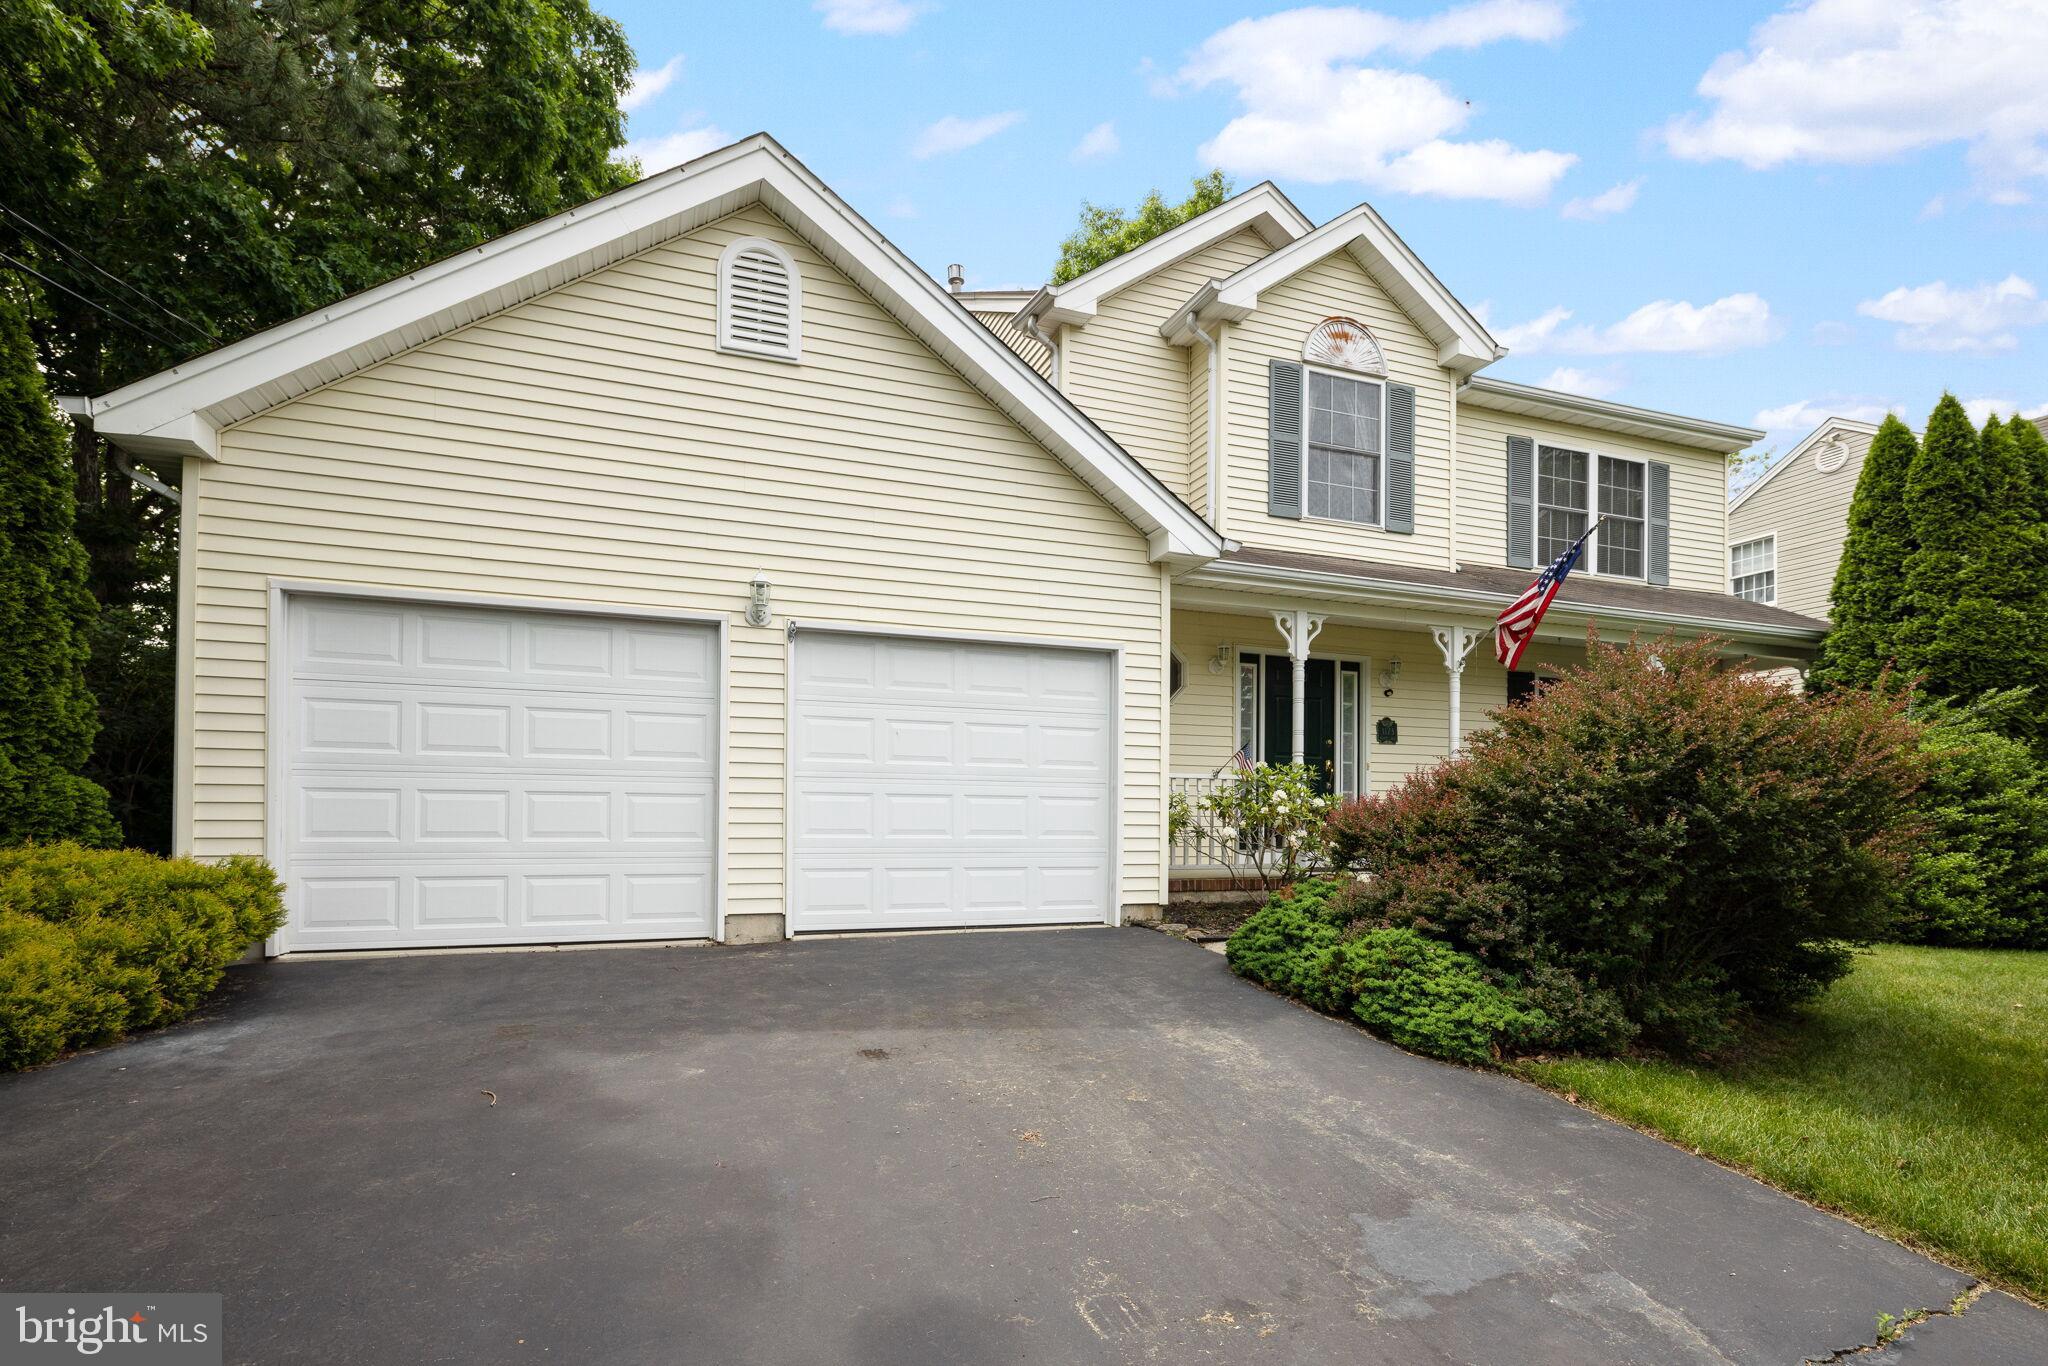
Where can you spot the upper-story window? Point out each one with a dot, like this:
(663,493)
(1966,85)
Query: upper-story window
(760,300)
(1344,344)
(1753,569)
(1571,486)
(1346,427)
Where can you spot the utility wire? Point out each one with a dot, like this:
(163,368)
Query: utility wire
(151,333)
(97,269)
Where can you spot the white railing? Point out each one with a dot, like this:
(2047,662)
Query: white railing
(1200,844)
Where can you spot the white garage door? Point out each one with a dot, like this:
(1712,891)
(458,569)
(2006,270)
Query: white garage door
(475,776)
(943,783)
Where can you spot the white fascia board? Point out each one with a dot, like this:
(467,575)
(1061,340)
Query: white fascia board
(1848,426)
(1526,400)
(167,413)
(1463,343)
(1389,592)
(1262,208)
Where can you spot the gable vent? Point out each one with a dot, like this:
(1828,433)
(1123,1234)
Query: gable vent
(760,299)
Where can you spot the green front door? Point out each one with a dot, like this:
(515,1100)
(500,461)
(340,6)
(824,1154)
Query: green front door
(1319,716)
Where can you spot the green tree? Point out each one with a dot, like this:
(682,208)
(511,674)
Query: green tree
(47,717)
(2033,452)
(1107,233)
(1974,584)
(206,168)
(1869,598)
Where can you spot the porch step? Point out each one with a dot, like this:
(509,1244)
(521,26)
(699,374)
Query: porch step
(1213,892)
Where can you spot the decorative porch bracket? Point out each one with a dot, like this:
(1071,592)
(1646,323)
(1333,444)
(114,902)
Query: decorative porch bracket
(1456,642)
(1299,629)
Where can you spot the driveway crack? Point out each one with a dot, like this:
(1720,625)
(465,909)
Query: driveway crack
(1892,1327)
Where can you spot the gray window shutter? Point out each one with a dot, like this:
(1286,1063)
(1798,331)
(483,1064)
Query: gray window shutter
(1283,438)
(1521,502)
(1660,523)
(1400,458)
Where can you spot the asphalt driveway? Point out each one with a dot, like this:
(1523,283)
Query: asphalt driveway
(1074,1146)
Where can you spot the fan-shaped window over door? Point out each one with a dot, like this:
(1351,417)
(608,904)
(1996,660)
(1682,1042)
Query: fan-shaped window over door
(760,299)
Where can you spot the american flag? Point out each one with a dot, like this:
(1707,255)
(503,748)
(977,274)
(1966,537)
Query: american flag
(1517,625)
(1243,760)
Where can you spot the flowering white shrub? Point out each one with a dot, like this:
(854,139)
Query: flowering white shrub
(1276,816)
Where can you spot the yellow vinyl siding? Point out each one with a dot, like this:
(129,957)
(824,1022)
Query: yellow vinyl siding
(1807,510)
(1205,712)
(592,446)
(1136,385)
(1035,353)
(1699,491)
(1336,286)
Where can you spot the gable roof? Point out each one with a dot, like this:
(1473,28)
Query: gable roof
(1846,426)
(1505,396)
(1262,209)
(181,411)
(1463,344)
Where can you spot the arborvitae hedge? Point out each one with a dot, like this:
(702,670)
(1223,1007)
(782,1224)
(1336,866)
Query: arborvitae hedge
(1869,594)
(47,717)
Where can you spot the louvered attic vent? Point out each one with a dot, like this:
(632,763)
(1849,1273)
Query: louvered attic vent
(759,300)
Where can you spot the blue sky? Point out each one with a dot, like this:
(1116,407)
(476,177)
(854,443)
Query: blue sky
(1759,213)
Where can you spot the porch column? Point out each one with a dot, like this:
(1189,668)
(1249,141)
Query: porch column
(1456,642)
(1299,629)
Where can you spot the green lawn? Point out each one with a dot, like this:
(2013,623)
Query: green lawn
(1913,1097)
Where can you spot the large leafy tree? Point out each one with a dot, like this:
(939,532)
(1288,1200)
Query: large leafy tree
(179,173)
(47,717)
(1977,600)
(1869,594)
(1106,233)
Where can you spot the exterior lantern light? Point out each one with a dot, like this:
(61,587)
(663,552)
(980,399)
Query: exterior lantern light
(1220,661)
(757,601)
(1388,674)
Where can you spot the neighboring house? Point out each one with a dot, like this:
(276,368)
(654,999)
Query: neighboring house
(692,564)
(1785,531)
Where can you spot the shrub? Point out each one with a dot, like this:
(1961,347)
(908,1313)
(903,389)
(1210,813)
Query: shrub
(1427,996)
(1282,821)
(1980,877)
(94,943)
(1287,943)
(1653,844)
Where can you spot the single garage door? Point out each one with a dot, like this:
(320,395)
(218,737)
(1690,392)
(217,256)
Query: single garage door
(949,783)
(477,776)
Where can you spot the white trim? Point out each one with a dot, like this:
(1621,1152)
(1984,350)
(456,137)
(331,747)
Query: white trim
(277,696)
(736,346)
(1733,546)
(1589,563)
(1262,208)
(1845,426)
(1526,400)
(1380,497)
(185,752)
(1116,743)
(180,410)
(1463,343)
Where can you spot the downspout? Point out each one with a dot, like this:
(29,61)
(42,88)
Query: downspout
(146,479)
(1028,325)
(1215,485)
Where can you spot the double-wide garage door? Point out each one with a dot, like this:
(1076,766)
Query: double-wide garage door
(949,783)
(455,775)
(479,776)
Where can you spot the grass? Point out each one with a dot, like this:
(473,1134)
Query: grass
(1912,1097)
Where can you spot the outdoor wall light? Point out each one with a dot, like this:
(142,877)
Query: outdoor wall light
(1221,660)
(757,601)
(1388,674)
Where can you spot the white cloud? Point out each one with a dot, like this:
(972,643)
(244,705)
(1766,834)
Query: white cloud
(1575,381)
(1099,141)
(1313,111)
(647,84)
(1981,318)
(2039,411)
(886,17)
(1866,80)
(955,134)
(1981,408)
(1802,415)
(673,149)
(1669,326)
(1617,199)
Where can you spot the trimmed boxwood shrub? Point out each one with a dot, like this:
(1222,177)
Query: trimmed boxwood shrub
(1427,996)
(94,943)
(1286,943)
(1653,846)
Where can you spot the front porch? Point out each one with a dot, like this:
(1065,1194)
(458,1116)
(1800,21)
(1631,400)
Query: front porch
(1362,696)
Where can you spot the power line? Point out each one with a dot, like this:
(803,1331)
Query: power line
(151,333)
(97,269)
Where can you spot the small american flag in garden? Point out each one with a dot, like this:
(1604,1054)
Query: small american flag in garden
(1243,760)
(1517,625)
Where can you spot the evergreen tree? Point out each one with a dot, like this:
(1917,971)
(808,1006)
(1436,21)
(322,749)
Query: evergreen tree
(47,717)
(1869,593)
(1974,582)
(2033,451)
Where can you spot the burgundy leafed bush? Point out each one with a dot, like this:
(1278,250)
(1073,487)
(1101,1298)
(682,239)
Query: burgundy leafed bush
(1653,846)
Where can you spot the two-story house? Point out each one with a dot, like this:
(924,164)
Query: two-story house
(691,564)
(1785,531)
